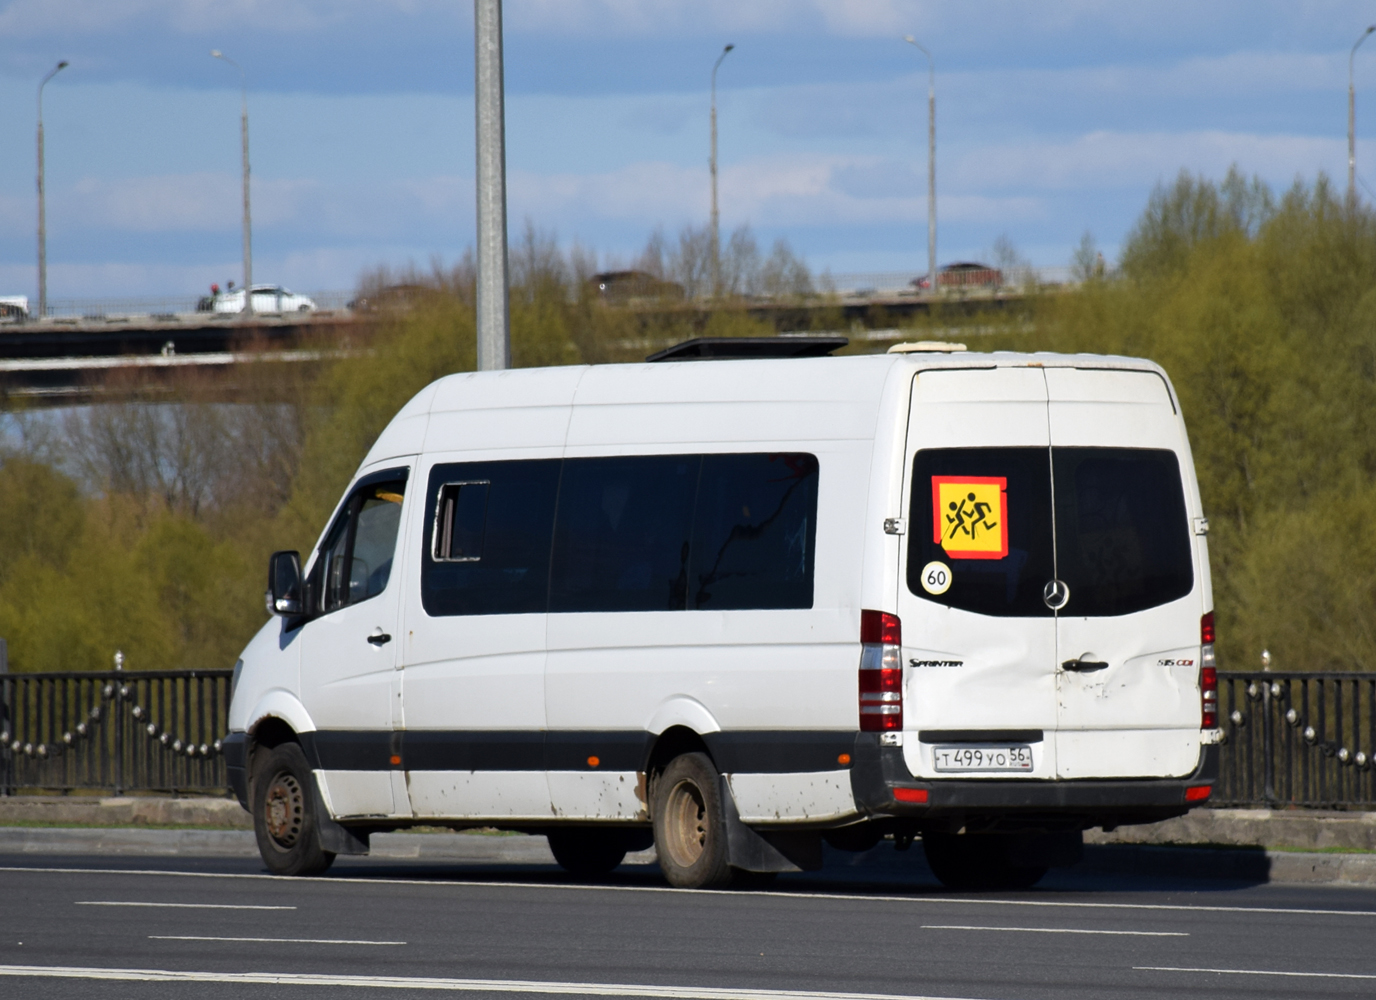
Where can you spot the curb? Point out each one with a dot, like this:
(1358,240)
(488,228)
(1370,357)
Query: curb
(463,847)
(1305,829)
(1234,864)
(1254,865)
(130,810)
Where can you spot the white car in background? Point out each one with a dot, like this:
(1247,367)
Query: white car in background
(14,308)
(266,299)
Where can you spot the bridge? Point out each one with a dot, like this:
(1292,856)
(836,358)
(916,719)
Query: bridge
(68,356)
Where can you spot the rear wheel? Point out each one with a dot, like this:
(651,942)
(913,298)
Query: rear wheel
(587,852)
(690,833)
(284,818)
(974,861)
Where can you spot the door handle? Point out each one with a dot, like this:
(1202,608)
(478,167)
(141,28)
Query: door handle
(1084,666)
(382,638)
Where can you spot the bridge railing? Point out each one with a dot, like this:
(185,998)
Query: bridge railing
(118,730)
(1298,739)
(1290,739)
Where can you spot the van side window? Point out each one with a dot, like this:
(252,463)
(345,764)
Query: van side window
(460,522)
(356,559)
(633,533)
(982,581)
(754,532)
(621,534)
(500,515)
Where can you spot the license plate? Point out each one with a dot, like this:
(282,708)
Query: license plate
(983,758)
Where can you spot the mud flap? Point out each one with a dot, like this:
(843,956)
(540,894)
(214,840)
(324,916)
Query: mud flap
(772,851)
(335,838)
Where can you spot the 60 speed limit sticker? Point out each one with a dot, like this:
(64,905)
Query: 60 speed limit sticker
(936,577)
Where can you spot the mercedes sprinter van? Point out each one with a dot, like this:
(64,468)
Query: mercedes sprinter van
(739,608)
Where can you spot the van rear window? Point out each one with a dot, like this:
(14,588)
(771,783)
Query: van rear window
(985,518)
(1005,502)
(1122,533)
(626,533)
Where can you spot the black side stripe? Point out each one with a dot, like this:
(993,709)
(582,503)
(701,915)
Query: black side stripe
(750,751)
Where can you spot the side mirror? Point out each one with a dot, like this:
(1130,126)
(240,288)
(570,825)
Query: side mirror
(284,584)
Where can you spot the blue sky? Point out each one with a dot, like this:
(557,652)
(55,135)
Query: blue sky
(1053,119)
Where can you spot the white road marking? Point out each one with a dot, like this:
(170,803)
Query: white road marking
(1258,972)
(1052,930)
(724,895)
(452,985)
(260,940)
(181,906)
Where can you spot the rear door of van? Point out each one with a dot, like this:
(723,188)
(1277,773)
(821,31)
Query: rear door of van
(1128,635)
(979,641)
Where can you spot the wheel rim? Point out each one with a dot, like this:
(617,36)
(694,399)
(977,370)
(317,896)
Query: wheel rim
(685,826)
(284,810)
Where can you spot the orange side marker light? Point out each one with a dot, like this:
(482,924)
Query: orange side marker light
(396,760)
(843,759)
(594,761)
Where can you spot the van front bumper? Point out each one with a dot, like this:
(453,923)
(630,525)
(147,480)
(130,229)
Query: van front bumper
(878,772)
(236,765)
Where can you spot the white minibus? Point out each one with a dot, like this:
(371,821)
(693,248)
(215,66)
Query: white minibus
(739,602)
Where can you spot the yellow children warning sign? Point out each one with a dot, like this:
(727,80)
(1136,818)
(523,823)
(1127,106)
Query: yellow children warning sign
(970,516)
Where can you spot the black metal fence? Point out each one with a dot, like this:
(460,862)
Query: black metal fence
(1297,739)
(1290,739)
(122,731)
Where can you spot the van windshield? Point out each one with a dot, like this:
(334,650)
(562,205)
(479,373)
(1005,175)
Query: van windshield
(981,534)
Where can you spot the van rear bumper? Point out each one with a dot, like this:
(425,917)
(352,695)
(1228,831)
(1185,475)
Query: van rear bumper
(878,771)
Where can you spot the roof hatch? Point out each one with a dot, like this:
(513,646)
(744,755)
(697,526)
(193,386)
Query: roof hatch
(742,348)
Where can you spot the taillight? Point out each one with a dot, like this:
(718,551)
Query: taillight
(881,672)
(1208,674)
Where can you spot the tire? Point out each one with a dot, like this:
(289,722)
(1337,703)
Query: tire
(976,862)
(690,832)
(587,852)
(284,818)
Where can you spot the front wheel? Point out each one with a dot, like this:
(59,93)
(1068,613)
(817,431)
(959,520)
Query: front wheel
(690,831)
(284,817)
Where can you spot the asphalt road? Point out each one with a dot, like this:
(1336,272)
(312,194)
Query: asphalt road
(876,924)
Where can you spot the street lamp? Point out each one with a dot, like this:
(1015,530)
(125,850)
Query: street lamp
(716,235)
(1352,121)
(248,225)
(931,163)
(489,119)
(42,203)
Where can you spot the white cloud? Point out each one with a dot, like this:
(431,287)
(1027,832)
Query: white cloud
(28,18)
(860,18)
(1101,160)
(197,202)
(768,191)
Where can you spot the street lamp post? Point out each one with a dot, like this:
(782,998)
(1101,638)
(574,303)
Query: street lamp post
(42,201)
(494,287)
(248,223)
(1352,121)
(716,233)
(931,163)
